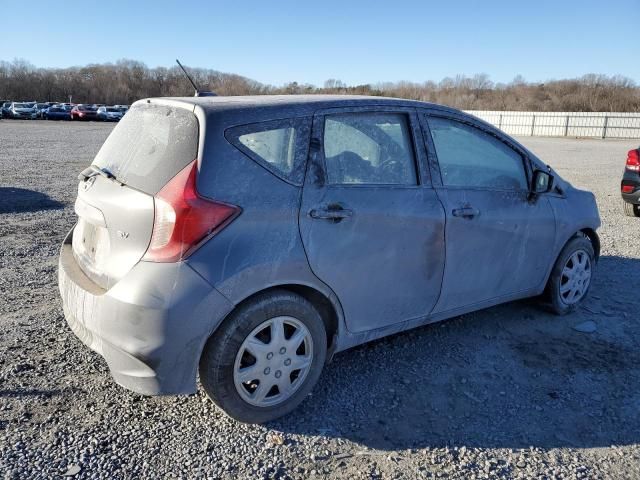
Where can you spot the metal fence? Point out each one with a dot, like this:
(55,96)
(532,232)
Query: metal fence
(564,124)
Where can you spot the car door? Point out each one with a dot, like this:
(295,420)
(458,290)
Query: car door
(498,237)
(371,224)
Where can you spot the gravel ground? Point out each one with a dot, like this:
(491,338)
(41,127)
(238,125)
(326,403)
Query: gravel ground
(509,392)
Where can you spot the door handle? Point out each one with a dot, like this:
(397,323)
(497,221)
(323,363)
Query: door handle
(325,213)
(466,212)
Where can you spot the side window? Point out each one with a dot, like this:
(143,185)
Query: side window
(369,148)
(469,157)
(279,145)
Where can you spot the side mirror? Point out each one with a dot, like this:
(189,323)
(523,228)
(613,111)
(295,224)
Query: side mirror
(542,182)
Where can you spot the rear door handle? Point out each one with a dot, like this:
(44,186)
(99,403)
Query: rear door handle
(330,214)
(466,212)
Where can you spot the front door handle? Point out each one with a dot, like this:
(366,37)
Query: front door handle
(466,212)
(325,213)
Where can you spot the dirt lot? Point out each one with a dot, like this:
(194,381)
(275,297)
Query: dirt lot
(509,392)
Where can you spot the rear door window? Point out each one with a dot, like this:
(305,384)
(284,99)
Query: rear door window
(280,145)
(369,148)
(150,145)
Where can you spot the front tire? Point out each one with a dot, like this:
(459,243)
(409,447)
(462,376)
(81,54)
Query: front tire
(631,210)
(571,276)
(265,358)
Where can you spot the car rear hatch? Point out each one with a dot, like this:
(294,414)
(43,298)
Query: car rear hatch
(115,203)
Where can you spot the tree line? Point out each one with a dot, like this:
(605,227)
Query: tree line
(125,81)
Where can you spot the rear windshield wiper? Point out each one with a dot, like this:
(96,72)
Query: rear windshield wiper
(93,170)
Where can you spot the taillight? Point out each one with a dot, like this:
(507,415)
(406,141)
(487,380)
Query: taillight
(183,218)
(627,188)
(633,160)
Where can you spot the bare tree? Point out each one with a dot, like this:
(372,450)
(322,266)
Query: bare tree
(128,80)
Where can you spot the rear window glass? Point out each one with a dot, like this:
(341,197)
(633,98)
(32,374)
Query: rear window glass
(278,145)
(150,145)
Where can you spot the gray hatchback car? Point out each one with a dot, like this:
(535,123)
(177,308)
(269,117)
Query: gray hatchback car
(248,239)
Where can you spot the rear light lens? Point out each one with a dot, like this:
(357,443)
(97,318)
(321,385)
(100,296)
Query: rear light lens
(627,188)
(633,160)
(183,219)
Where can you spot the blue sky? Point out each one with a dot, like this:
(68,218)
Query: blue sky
(355,41)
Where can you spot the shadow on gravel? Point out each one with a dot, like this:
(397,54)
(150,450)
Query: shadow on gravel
(511,376)
(18,200)
(19,393)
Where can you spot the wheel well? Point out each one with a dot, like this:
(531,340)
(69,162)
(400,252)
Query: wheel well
(594,239)
(320,302)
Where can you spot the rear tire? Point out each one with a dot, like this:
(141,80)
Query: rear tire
(631,210)
(245,363)
(571,276)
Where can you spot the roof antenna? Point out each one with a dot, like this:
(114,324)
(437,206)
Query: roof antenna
(198,92)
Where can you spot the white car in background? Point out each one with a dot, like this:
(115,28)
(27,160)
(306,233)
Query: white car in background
(24,110)
(110,114)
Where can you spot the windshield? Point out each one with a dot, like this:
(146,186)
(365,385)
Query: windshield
(149,146)
(111,109)
(87,108)
(42,105)
(21,105)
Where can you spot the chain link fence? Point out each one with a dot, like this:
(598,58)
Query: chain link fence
(564,124)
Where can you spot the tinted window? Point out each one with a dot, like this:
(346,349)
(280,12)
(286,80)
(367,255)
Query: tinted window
(150,145)
(469,157)
(369,148)
(279,145)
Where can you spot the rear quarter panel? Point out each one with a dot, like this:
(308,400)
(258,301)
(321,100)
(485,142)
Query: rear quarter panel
(262,246)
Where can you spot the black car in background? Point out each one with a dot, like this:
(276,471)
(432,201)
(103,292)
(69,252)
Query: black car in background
(630,185)
(5,110)
(58,112)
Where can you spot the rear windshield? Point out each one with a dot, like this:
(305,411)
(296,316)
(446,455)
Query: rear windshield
(149,146)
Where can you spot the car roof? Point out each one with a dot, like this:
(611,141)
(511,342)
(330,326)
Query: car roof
(297,104)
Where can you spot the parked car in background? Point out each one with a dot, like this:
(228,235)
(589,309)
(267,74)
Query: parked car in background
(84,112)
(24,110)
(110,114)
(41,107)
(58,112)
(630,185)
(5,110)
(306,225)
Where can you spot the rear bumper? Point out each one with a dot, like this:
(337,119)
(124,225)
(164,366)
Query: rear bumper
(150,327)
(631,179)
(633,198)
